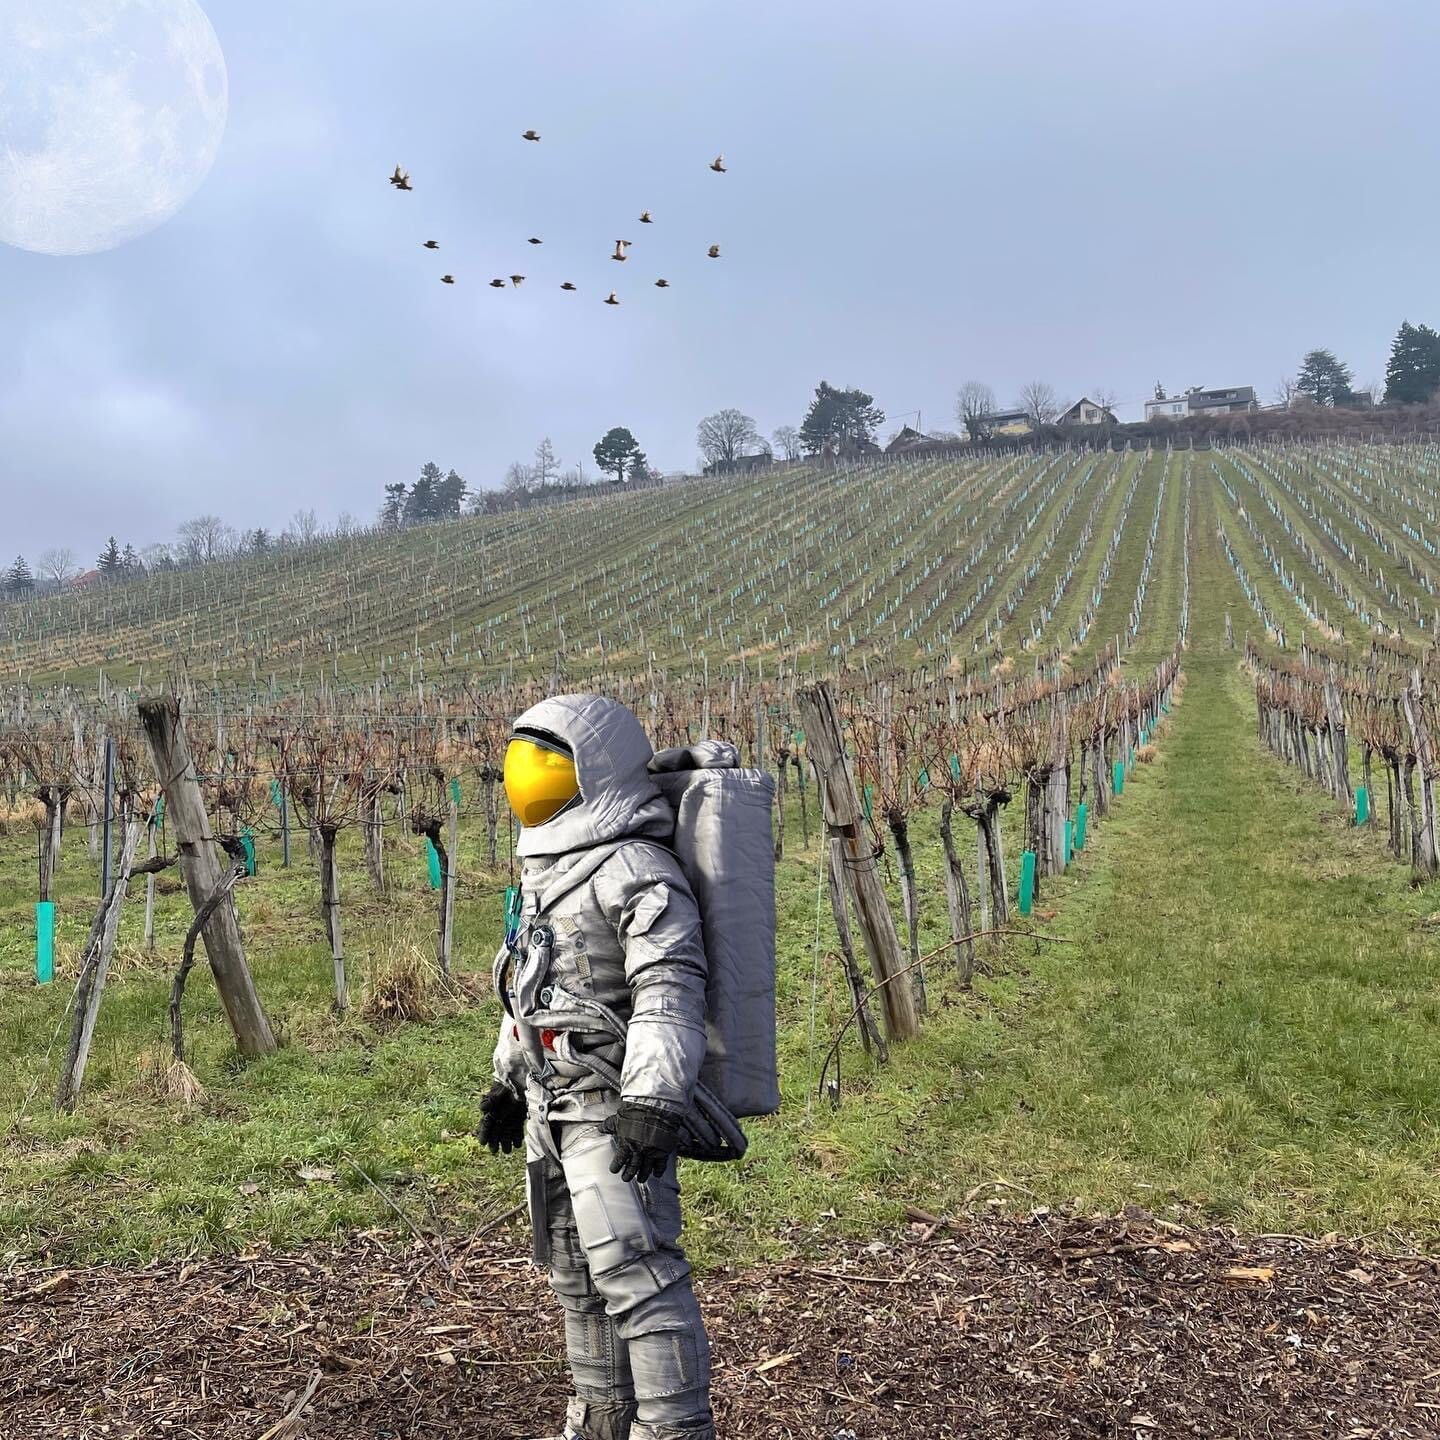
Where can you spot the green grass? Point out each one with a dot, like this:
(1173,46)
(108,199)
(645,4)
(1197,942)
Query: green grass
(1244,1026)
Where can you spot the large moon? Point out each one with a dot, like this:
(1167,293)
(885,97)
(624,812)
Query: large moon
(111,115)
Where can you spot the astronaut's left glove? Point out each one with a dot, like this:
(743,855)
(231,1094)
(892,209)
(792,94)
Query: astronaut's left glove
(645,1139)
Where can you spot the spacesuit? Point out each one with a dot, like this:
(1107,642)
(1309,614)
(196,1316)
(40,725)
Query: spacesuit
(603,982)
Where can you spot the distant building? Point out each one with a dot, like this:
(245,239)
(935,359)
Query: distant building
(1166,407)
(84,580)
(1222,402)
(1007,422)
(1196,401)
(1086,412)
(906,439)
(741,464)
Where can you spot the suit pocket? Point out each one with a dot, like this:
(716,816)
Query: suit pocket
(613,1225)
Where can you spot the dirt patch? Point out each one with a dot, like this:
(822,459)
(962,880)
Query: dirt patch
(1048,1326)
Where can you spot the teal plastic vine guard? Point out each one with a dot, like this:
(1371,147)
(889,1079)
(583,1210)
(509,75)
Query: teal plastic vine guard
(1027,882)
(1082,819)
(1119,777)
(432,857)
(1362,805)
(44,941)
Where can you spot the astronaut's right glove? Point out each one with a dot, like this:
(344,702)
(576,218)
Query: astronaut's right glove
(502,1126)
(645,1139)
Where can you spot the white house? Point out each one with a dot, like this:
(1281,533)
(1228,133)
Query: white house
(1086,412)
(1196,401)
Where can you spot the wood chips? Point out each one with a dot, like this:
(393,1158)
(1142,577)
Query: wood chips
(1046,1326)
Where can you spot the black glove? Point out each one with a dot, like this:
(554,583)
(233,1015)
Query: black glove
(503,1127)
(645,1139)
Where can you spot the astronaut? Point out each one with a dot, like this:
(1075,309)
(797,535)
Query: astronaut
(603,981)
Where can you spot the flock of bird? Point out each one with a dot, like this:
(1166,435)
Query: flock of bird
(400,180)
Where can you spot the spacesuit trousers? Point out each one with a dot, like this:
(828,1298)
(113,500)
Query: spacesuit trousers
(639,1355)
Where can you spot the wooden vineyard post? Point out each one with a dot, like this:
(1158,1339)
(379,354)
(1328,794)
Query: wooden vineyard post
(170,751)
(1339,742)
(94,970)
(330,905)
(1425,853)
(447,919)
(870,1036)
(150,891)
(841,808)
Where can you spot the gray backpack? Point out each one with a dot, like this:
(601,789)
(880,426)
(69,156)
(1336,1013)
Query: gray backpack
(726,847)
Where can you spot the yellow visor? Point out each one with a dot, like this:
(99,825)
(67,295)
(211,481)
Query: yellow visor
(538,781)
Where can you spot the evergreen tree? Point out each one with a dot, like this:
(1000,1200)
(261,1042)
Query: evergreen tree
(392,512)
(617,453)
(1324,379)
(839,421)
(258,541)
(421,501)
(1412,376)
(449,496)
(109,562)
(18,579)
(130,561)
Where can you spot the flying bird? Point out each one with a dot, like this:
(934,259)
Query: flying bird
(645,218)
(497,284)
(529,135)
(713,252)
(567,286)
(535,240)
(401,179)
(620,250)
(718,164)
(516,279)
(447,279)
(432,244)
(662,284)
(612,300)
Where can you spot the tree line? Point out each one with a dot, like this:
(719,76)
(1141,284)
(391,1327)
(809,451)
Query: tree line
(202,540)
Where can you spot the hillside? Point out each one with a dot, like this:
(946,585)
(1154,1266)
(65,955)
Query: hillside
(929,561)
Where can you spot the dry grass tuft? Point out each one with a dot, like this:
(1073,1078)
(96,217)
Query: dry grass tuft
(1146,754)
(180,1083)
(402,985)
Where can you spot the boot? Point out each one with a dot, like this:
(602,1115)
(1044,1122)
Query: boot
(585,1420)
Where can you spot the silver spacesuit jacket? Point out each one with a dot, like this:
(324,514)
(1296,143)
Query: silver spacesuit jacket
(619,949)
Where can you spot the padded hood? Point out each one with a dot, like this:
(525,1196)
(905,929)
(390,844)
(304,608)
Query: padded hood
(618,797)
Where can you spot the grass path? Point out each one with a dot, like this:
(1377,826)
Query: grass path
(1248,1021)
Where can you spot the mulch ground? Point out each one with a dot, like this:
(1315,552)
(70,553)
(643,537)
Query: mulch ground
(1041,1326)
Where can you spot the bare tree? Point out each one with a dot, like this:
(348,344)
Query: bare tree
(787,442)
(305,526)
(547,467)
(57,565)
(517,478)
(1106,399)
(346,525)
(1286,392)
(973,407)
(1037,400)
(725,436)
(202,539)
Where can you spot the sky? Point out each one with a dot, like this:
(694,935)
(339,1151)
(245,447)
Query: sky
(919,193)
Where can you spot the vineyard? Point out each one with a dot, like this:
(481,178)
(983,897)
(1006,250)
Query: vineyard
(1093,773)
